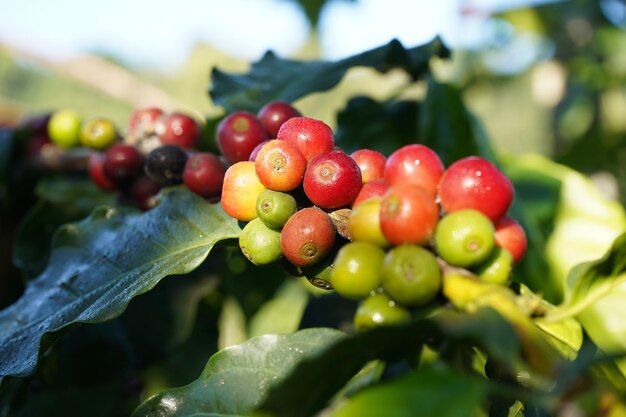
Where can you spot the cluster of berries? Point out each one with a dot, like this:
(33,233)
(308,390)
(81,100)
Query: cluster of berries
(378,229)
(159,149)
(373,228)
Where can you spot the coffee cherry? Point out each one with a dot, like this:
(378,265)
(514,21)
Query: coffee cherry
(313,137)
(143,121)
(364,223)
(99,133)
(260,244)
(464,238)
(274,114)
(166,164)
(369,190)
(371,163)
(414,164)
(511,236)
(497,268)
(411,275)
(64,128)
(274,208)
(238,134)
(332,180)
(95,167)
(240,191)
(280,166)
(204,174)
(379,310)
(143,192)
(178,129)
(307,237)
(408,214)
(122,163)
(318,274)
(475,183)
(356,270)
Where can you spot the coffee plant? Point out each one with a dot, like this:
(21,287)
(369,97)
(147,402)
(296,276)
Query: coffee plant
(265,264)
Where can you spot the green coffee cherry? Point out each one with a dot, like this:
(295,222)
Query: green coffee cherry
(356,270)
(379,310)
(319,274)
(411,275)
(464,238)
(364,223)
(497,269)
(259,243)
(274,208)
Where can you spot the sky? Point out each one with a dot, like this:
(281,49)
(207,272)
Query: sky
(161,33)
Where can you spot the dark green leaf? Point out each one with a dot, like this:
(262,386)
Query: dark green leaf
(447,127)
(441,392)
(274,78)
(383,126)
(62,200)
(236,379)
(98,265)
(327,373)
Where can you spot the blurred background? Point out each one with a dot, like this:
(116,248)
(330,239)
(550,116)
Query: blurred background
(544,76)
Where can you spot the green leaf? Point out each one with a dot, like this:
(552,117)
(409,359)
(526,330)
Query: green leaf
(585,252)
(231,324)
(441,392)
(62,200)
(447,127)
(274,78)
(283,313)
(383,126)
(324,375)
(589,282)
(99,264)
(237,378)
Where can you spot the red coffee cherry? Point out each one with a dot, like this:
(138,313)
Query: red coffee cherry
(332,180)
(96,171)
(369,190)
(408,214)
(238,134)
(414,164)
(204,174)
(510,235)
(122,163)
(371,163)
(280,166)
(476,183)
(313,137)
(307,237)
(142,121)
(274,114)
(143,192)
(178,129)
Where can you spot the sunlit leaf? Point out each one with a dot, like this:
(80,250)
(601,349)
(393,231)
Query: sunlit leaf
(274,78)
(99,264)
(237,378)
(326,374)
(441,392)
(283,313)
